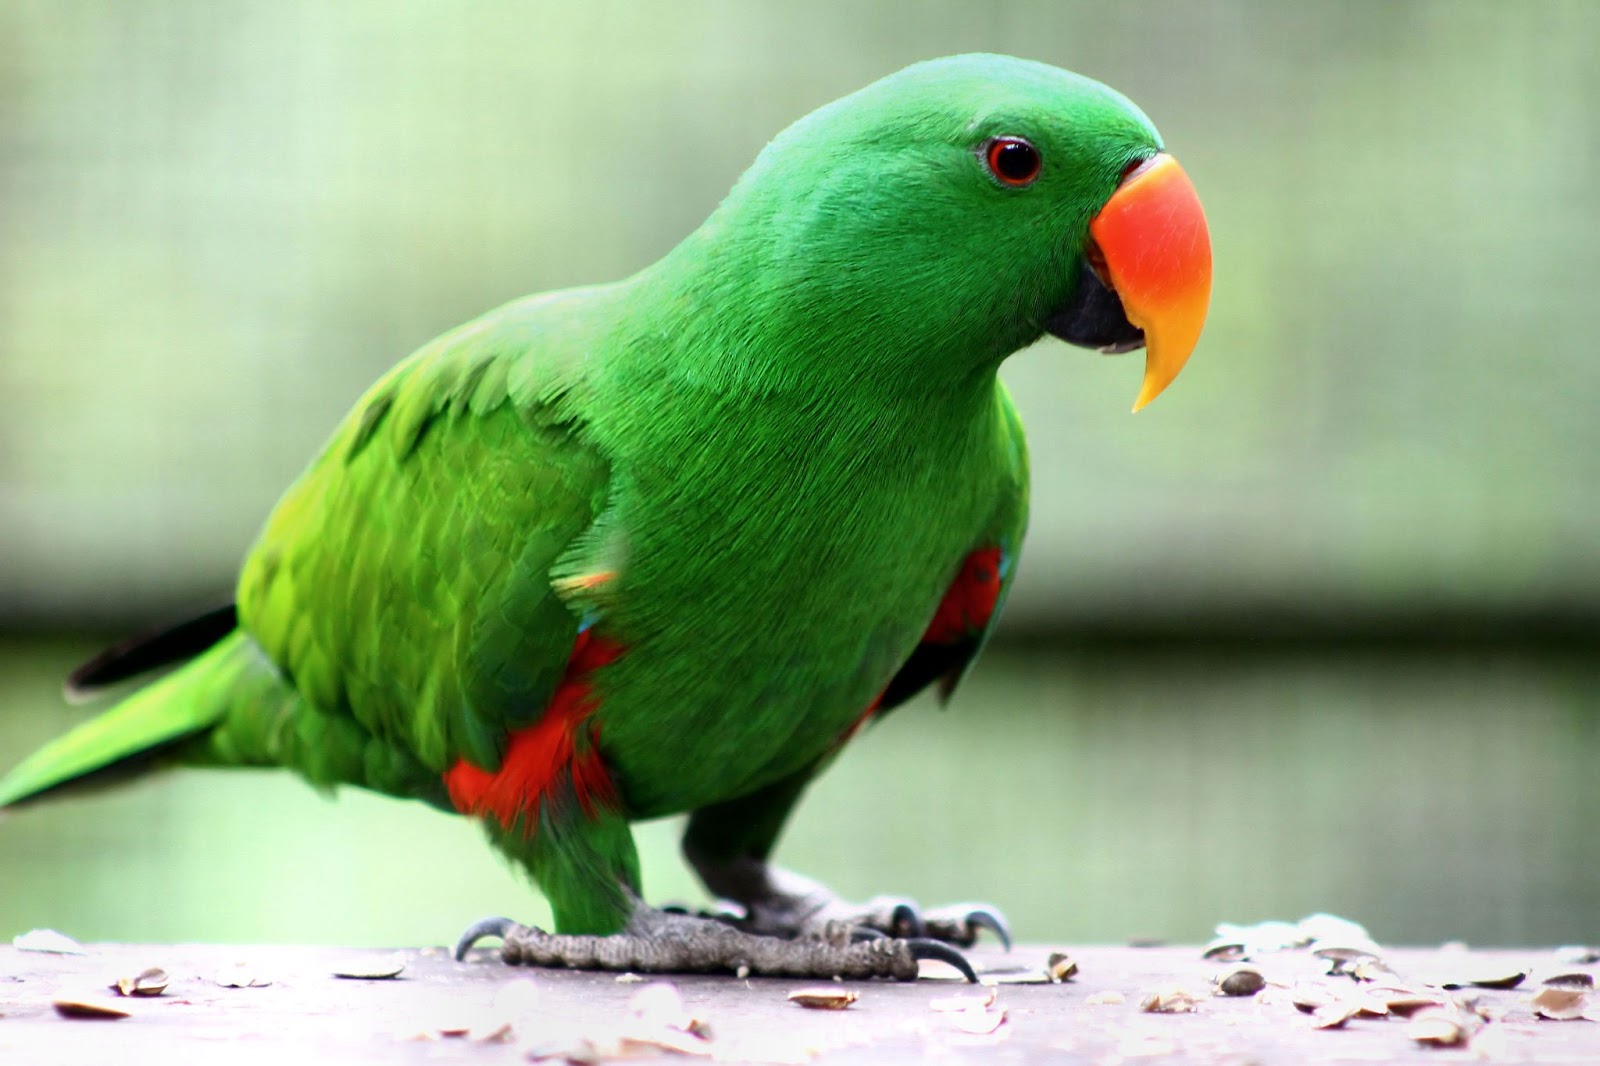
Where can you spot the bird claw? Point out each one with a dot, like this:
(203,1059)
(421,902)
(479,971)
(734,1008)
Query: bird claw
(957,924)
(923,948)
(497,927)
(960,924)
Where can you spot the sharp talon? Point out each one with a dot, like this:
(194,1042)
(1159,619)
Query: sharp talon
(906,922)
(992,921)
(478,930)
(862,933)
(934,949)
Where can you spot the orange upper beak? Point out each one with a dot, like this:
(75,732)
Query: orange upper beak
(1156,255)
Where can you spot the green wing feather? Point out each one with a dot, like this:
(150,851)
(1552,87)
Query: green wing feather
(404,580)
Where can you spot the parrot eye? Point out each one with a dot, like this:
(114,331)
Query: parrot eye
(1012,160)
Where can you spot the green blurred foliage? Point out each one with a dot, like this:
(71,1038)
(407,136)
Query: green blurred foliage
(219,221)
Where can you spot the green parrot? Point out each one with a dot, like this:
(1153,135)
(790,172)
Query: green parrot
(664,545)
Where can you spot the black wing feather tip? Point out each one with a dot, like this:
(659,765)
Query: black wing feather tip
(150,650)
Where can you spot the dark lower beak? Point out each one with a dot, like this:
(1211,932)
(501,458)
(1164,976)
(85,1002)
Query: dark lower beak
(1094,318)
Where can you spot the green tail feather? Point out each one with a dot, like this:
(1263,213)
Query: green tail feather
(135,733)
(229,706)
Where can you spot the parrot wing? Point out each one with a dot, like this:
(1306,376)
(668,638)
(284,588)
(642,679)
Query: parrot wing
(966,616)
(404,580)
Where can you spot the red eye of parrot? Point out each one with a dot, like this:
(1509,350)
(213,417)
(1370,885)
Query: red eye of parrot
(1013,161)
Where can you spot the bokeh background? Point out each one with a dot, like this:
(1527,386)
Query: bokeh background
(1316,631)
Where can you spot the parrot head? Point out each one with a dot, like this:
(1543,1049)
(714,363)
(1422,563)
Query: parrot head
(973,203)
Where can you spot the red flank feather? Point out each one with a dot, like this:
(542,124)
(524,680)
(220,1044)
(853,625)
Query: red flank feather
(539,752)
(969,604)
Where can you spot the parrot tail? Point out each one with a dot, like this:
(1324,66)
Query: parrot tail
(139,732)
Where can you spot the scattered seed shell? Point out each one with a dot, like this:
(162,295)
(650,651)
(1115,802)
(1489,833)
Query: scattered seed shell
(1224,949)
(1560,1004)
(1333,1015)
(1108,998)
(1319,927)
(1308,998)
(89,1007)
(1439,1028)
(1168,999)
(1370,969)
(150,982)
(48,942)
(958,1003)
(679,1043)
(1371,1007)
(371,969)
(823,998)
(980,1022)
(657,1003)
(1015,977)
(1060,967)
(1241,979)
(1579,980)
(1405,1004)
(1577,954)
(1509,979)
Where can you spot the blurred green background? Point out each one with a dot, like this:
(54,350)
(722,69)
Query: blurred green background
(1318,630)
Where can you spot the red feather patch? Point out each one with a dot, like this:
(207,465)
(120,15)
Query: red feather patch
(560,740)
(969,604)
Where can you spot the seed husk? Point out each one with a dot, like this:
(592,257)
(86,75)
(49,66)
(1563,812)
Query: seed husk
(823,998)
(1560,1004)
(1371,969)
(150,982)
(1577,954)
(1333,1015)
(1577,979)
(1405,1003)
(47,942)
(1308,998)
(1241,979)
(1331,927)
(1060,967)
(366,968)
(1168,999)
(1223,949)
(91,1007)
(1344,960)
(1108,998)
(1440,1028)
(1500,980)
(1370,1006)
(677,1042)
(980,1022)
(959,1003)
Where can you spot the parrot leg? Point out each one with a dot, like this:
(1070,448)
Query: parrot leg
(586,865)
(658,942)
(728,844)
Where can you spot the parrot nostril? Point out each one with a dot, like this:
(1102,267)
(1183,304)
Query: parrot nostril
(1133,167)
